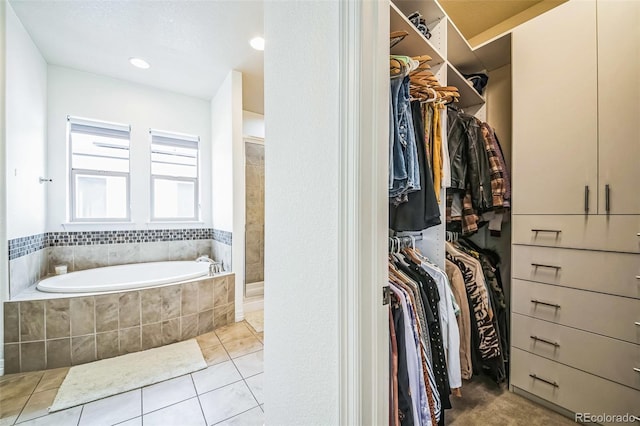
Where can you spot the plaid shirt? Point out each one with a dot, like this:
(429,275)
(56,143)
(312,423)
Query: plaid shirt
(496,169)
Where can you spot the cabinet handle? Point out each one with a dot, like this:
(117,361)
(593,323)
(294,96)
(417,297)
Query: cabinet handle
(554,231)
(540,265)
(537,302)
(586,198)
(548,342)
(637,323)
(607,203)
(637,277)
(637,370)
(549,382)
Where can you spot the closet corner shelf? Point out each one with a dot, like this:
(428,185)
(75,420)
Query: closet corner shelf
(459,53)
(468,95)
(415,43)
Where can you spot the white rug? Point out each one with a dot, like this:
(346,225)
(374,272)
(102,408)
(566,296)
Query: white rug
(255,320)
(89,382)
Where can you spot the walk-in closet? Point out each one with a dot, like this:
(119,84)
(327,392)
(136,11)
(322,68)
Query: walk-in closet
(534,130)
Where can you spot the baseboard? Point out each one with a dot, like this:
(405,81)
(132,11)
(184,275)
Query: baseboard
(550,405)
(253,304)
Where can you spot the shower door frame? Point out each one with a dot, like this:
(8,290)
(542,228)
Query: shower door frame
(258,141)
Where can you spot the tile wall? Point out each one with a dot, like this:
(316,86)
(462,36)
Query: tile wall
(45,334)
(34,257)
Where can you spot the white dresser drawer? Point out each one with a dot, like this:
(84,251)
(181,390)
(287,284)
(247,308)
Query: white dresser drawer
(595,232)
(572,389)
(612,316)
(606,272)
(609,358)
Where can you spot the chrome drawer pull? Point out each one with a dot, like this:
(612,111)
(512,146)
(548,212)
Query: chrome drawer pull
(537,302)
(548,342)
(554,231)
(540,265)
(637,277)
(549,382)
(637,370)
(638,323)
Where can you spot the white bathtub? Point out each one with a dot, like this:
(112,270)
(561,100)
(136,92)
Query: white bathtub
(124,277)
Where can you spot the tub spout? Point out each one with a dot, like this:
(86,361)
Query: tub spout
(214,267)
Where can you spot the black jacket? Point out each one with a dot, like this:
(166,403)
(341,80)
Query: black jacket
(469,161)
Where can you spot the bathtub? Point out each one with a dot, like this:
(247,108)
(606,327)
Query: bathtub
(100,313)
(124,277)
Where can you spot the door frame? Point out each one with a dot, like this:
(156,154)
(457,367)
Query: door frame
(363,209)
(252,303)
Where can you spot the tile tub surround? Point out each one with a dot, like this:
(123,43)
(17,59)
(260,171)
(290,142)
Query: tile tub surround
(34,257)
(60,332)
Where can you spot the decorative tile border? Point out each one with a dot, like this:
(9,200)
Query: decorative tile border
(23,246)
(221,236)
(87,238)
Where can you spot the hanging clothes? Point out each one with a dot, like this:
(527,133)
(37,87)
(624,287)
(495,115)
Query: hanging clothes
(437,151)
(464,318)
(488,351)
(479,175)
(421,211)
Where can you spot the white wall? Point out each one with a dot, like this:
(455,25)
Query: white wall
(26,131)
(222,155)
(88,95)
(252,124)
(227,164)
(302,377)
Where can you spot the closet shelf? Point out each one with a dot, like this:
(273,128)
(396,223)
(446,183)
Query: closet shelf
(429,9)
(415,43)
(468,95)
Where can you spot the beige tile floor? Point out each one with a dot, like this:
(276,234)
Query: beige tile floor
(228,392)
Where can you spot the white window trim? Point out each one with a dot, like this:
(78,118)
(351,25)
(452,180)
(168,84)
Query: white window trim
(73,172)
(196,181)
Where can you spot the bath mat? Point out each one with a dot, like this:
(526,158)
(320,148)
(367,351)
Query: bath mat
(255,320)
(89,382)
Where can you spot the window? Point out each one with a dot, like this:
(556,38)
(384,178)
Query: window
(99,170)
(174,176)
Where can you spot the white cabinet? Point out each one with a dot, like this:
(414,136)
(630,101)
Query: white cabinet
(555,130)
(576,205)
(576,110)
(619,106)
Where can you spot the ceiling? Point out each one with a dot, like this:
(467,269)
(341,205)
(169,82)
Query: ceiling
(191,46)
(480,21)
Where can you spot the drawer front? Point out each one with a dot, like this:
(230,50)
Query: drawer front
(576,390)
(612,316)
(606,272)
(608,358)
(594,232)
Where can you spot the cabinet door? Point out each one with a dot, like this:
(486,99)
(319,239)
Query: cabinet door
(619,106)
(555,129)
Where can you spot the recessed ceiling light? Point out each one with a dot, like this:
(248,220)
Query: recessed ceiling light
(140,63)
(257,43)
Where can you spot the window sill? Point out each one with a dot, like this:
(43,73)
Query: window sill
(72,224)
(176,222)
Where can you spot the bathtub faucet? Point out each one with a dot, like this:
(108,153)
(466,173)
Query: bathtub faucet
(214,267)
